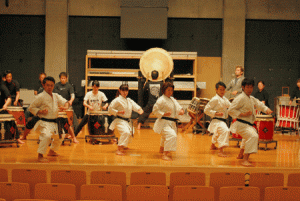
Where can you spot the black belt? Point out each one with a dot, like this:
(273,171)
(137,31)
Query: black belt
(54,121)
(49,120)
(245,122)
(221,119)
(126,119)
(171,119)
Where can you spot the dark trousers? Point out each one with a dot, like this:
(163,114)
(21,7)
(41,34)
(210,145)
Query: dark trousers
(147,111)
(84,121)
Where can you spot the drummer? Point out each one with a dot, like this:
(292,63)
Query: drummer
(295,92)
(13,87)
(66,90)
(5,101)
(243,109)
(217,109)
(262,94)
(93,101)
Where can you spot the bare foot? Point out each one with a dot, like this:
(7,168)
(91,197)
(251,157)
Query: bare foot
(43,160)
(125,148)
(213,147)
(22,138)
(161,150)
(247,164)
(20,141)
(222,154)
(240,156)
(120,153)
(75,141)
(166,158)
(52,153)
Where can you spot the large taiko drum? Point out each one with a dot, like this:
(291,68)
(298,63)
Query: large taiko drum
(8,128)
(99,122)
(63,123)
(265,127)
(235,135)
(18,114)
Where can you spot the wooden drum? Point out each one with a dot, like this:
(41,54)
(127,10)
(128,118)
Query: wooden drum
(265,127)
(63,124)
(8,127)
(99,122)
(18,114)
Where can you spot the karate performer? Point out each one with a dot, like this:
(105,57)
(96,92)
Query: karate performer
(46,106)
(167,109)
(93,101)
(243,109)
(122,108)
(217,109)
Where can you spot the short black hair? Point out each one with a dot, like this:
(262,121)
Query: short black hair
(6,73)
(220,84)
(49,78)
(154,74)
(63,74)
(124,87)
(247,81)
(165,86)
(96,83)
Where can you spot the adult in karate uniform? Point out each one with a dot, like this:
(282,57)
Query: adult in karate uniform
(243,108)
(167,109)
(46,105)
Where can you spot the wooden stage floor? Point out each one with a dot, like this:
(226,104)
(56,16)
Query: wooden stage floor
(193,154)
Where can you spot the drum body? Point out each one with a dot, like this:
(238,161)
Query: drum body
(265,127)
(63,123)
(8,127)
(18,114)
(99,123)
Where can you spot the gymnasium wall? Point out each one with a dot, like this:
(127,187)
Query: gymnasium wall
(103,33)
(22,45)
(272,54)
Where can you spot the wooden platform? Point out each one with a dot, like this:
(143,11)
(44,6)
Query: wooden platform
(193,154)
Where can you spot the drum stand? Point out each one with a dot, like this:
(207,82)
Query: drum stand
(95,138)
(266,142)
(196,118)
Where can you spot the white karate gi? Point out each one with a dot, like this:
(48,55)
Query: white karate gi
(124,128)
(48,129)
(241,104)
(166,128)
(217,127)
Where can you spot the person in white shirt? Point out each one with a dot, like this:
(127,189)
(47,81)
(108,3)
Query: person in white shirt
(122,107)
(243,108)
(46,106)
(167,109)
(93,101)
(217,108)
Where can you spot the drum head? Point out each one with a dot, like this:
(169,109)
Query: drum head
(156,59)
(264,116)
